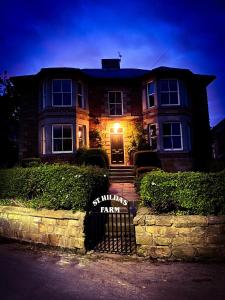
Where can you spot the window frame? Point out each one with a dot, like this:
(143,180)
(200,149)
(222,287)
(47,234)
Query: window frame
(121,93)
(154,137)
(58,152)
(61,92)
(84,132)
(81,95)
(181,136)
(154,94)
(169,91)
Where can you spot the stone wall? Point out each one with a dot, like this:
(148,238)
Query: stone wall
(180,237)
(55,228)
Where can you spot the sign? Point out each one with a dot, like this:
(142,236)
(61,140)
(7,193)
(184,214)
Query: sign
(110,209)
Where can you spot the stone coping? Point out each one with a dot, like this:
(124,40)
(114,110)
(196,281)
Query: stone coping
(44,213)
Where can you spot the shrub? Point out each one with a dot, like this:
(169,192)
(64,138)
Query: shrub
(92,156)
(146,159)
(187,192)
(54,186)
(31,162)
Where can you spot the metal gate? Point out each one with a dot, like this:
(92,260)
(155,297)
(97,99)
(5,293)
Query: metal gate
(111,232)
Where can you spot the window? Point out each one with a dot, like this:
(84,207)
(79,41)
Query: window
(44,89)
(115,103)
(150,94)
(82,136)
(43,140)
(80,95)
(152,136)
(169,92)
(172,136)
(61,92)
(62,138)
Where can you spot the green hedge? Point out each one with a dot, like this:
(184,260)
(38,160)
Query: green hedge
(93,156)
(54,186)
(184,192)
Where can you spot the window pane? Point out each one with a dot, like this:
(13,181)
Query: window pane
(173,98)
(112,109)
(118,109)
(67,99)
(151,100)
(57,131)
(164,85)
(176,142)
(151,88)
(57,99)
(67,131)
(167,143)
(79,100)
(66,85)
(118,97)
(111,97)
(165,98)
(152,130)
(67,144)
(57,145)
(167,129)
(175,128)
(56,85)
(79,88)
(154,143)
(173,85)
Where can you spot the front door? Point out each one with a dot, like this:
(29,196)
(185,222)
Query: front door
(117,151)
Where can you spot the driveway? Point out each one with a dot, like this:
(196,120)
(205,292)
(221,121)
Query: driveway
(28,272)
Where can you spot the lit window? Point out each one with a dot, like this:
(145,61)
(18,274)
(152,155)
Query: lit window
(62,138)
(152,136)
(169,92)
(172,136)
(82,136)
(61,92)
(43,140)
(115,103)
(80,95)
(150,94)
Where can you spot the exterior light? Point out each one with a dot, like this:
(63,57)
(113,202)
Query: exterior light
(116,126)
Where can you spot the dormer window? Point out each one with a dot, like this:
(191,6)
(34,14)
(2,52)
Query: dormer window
(169,92)
(150,94)
(61,92)
(115,103)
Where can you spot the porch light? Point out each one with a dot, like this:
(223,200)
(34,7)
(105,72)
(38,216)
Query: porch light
(116,126)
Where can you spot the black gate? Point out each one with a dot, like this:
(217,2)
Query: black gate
(111,232)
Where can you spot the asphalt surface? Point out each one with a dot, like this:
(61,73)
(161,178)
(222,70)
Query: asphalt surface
(30,272)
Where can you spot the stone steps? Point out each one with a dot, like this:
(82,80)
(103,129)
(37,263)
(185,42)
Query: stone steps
(121,174)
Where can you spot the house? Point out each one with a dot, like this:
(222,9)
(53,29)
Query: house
(63,109)
(218,140)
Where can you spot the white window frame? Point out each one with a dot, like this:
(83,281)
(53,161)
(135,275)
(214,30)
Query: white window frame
(168,92)
(58,152)
(81,95)
(181,136)
(116,103)
(84,132)
(149,136)
(61,92)
(154,94)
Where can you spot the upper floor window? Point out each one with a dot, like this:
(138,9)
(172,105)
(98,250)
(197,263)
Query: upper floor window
(150,94)
(172,136)
(62,138)
(80,95)
(169,92)
(61,92)
(152,136)
(115,103)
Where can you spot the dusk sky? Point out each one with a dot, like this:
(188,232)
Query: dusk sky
(148,34)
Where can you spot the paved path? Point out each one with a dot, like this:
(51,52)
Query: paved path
(126,190)
(28,273)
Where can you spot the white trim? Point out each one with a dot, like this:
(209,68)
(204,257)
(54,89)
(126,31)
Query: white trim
(64,124)
(62,92)
(154,94)
(85,137)
(149,136)
(181,137)
(168,92)
(121,92)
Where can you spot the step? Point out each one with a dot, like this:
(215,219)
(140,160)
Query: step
(121,167)
(118,173)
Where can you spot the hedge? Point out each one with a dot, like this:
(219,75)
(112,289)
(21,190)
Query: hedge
(53,186)
(184,192)
(92,156)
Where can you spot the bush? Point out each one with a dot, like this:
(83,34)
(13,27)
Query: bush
(54,186)
(30,162)
(146,159)
(93,156)
(186,192)
(142,170)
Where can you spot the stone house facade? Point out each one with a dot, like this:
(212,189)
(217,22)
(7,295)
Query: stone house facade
(63,109)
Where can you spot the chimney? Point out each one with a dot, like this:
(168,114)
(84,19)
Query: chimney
(111,64)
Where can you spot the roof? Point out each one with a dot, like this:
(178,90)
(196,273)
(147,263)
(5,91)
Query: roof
(115,73)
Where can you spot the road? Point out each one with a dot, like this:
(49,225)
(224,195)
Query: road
(30,272)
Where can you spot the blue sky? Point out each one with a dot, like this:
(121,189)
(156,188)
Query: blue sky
(187,34)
